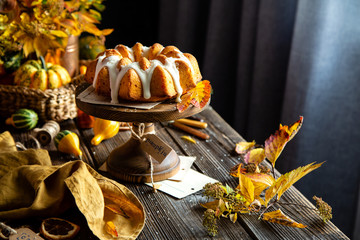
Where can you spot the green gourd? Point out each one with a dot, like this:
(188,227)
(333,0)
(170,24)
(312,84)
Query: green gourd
(90,47)
(25,119)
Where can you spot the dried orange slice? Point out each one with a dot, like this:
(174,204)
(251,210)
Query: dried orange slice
(58,229)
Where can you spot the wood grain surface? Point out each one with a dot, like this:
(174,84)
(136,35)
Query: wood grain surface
(170,218)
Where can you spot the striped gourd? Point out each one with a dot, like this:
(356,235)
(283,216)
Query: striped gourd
(25,119)
(68,142)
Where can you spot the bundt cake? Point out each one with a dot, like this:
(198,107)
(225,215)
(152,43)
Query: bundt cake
(145,74)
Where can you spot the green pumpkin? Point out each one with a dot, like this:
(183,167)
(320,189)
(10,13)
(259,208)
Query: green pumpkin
(40,75)
(90,47)
(25,119)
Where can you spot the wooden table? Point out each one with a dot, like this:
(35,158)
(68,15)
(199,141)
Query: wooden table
(170,218)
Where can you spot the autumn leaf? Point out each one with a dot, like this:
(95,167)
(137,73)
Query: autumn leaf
(275,144)
(210,205)
(237,169)
(116,209)
(293,129)
(263,178)
(123,203)
(246,188)
(244,147)
(259,187)
(199,96)
(58,33)
(218,206)
(110,228)
(255,156)
(279,217)
(233,217)
(260,182)
(284,182)
(189,139)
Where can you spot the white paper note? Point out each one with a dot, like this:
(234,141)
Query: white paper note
(192,183)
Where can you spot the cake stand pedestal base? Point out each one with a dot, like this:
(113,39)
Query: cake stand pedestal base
(131,163)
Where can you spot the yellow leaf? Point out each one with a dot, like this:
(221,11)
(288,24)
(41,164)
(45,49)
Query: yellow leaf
(294,128)
(233,217)
(237,169)
(273,190)
(246,188)
(58,33)
(211,205)
(255,156)
(244,147)
(107,31)
(259,187)
(275,144)
(189,139)
(123,203)
(116,209)
(260,181)
(28,46)
(40,46)
(110,228)
(199,96)
(87,17)
(219,206)
(264,178)
(284,182)
(279,217)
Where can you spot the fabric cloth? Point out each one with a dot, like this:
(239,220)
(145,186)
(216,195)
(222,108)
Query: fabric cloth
(31,186)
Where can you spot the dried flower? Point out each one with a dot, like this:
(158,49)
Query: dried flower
(215,190)
(324,209)
(250,167)
(210,222)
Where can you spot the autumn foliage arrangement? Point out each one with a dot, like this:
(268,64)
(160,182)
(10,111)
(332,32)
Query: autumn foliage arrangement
(36,26)
(258,187)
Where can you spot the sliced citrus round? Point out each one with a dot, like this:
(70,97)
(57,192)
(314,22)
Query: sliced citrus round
(58,229)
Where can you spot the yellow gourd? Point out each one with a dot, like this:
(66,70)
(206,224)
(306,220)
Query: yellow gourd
(68,142)
(104,129)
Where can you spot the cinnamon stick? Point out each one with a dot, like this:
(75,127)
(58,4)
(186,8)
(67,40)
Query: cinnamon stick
(192,123)
(191,130)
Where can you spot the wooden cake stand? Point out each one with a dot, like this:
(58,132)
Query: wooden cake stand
(129,161)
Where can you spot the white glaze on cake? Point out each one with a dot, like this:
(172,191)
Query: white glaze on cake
(145,76)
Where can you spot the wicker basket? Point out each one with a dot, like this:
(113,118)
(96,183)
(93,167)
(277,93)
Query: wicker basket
(52,104)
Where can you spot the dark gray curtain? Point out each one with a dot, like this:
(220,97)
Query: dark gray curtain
(323,84)
(269,62)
